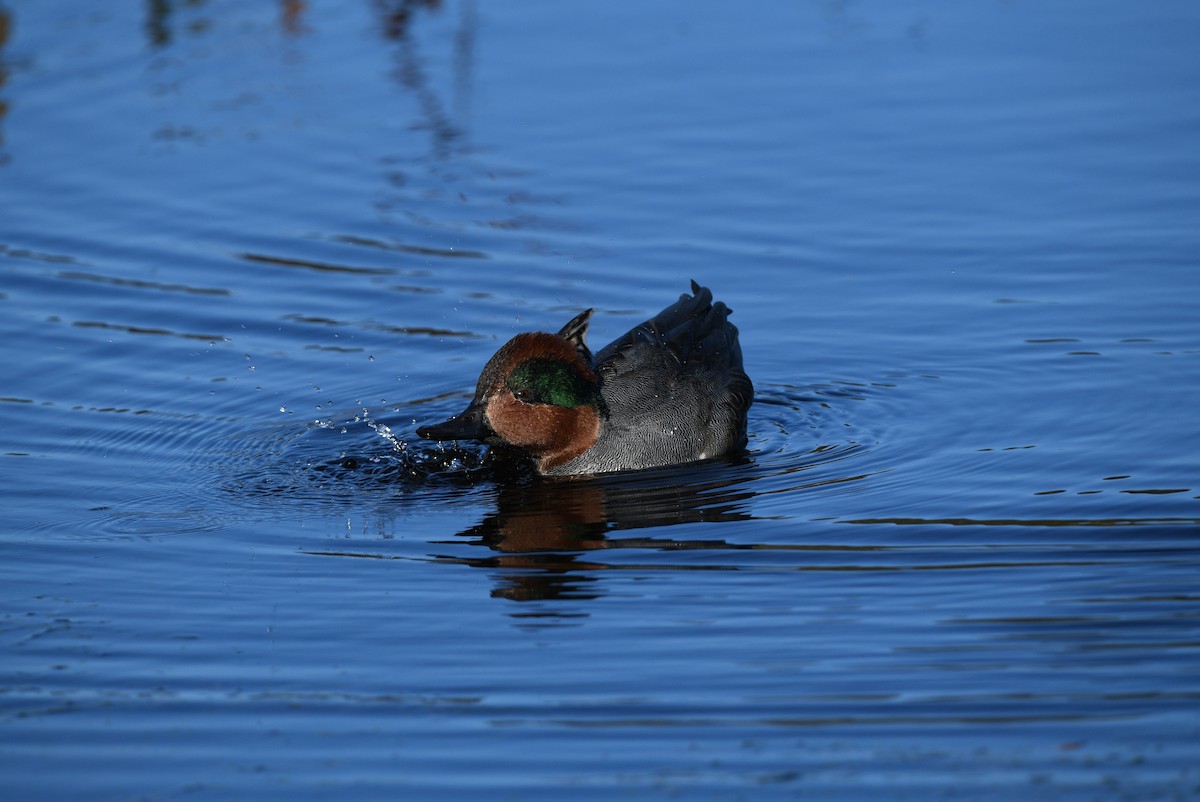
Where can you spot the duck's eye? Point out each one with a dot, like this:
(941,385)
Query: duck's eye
(530,394)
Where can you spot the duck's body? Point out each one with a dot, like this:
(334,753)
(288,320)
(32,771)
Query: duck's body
(670,391)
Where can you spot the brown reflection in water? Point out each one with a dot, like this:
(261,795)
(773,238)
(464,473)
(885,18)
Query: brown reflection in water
(291,16)
(540,528)
(578,514)
(546,516)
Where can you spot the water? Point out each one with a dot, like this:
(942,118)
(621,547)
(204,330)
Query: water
(245,249)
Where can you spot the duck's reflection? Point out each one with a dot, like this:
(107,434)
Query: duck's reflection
(541,531)
(580,514)
(539,537)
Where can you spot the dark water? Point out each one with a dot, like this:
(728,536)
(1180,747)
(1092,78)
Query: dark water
(246,247)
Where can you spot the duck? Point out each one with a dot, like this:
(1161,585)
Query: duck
(670,391)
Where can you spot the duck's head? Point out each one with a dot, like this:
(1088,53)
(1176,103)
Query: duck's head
(538,394)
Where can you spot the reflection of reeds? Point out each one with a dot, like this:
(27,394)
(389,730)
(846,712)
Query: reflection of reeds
(396,15)
(464,61)
(293,11)
(5,33)
(442,115)
(159,25)
(158,16)
(159,12)
(396,18)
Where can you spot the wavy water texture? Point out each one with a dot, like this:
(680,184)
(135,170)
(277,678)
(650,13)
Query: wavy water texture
(247,249)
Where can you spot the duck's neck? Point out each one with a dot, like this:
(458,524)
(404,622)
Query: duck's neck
(582,434)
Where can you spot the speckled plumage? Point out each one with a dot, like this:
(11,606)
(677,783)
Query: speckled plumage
(672,390)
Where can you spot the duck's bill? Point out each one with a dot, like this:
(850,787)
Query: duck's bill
(470,425)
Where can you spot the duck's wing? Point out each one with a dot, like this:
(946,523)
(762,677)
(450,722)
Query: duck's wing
(669,326)
(694,348)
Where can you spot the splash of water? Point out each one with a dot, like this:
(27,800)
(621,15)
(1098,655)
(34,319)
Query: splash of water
(385,431)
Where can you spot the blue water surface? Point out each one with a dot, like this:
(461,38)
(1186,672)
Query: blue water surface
(247,248)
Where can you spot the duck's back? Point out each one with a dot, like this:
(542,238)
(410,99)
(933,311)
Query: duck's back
(673,388)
